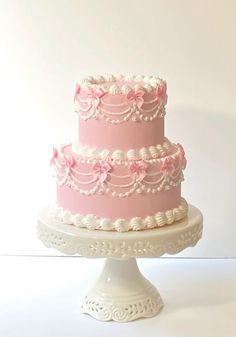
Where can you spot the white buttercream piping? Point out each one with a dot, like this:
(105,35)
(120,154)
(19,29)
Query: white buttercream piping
(121,83)
(165,178)
(93,222)
(134,113)
(160,150)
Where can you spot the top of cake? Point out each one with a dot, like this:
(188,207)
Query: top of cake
(121,112)
(118,99)
(122,84)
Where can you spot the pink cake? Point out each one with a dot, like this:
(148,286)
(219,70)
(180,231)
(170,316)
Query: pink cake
(122,174)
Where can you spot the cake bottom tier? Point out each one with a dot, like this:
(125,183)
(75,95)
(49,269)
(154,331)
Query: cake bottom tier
(139,212)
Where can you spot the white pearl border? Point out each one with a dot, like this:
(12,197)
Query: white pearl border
(151,152)
(98,82)
(92,222)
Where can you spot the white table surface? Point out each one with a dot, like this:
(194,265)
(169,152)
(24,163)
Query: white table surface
(39,297)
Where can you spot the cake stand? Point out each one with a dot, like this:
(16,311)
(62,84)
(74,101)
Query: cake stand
(121,293)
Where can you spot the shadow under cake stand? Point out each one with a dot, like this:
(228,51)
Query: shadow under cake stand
(121,293)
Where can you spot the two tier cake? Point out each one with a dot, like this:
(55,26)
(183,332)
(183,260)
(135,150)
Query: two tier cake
(122,174)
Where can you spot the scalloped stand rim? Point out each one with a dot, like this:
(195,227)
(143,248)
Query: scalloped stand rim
(121,292)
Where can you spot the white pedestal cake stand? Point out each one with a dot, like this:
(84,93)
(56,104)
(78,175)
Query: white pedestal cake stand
(121,293)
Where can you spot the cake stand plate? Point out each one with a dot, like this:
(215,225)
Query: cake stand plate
(121,293)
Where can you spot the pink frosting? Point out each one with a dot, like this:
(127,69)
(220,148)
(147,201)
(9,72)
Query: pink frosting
(125,136)
(140,205)
(87,174)
(95,130)
(139,168)
(106,205)
(119,121)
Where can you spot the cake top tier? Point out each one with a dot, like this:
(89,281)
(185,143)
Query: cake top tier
(120,99)
(123,84)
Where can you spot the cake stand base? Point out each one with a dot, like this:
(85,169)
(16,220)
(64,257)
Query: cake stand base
(121,293)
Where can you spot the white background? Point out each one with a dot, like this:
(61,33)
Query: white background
(45,46)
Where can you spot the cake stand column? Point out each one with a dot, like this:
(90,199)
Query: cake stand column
(121,293)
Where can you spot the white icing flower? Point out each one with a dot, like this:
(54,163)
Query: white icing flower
(150,222)
(90,221)
(106,224)
(78,220)
(121,225)
(136,223)
(66,217)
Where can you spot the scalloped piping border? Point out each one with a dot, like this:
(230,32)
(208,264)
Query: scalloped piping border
(98,82)
(151,152)
(93,222)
